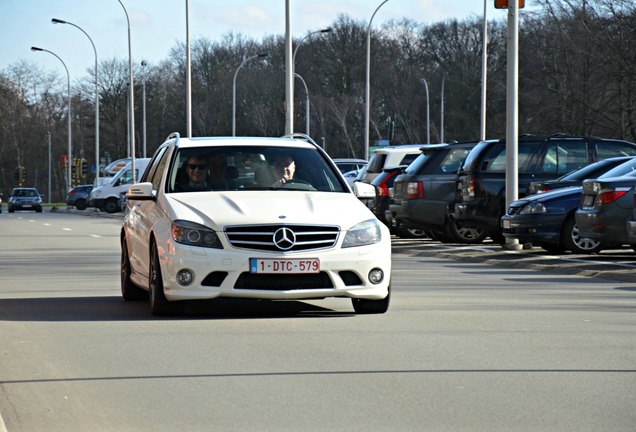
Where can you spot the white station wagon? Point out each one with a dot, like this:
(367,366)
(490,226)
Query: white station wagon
(248,234)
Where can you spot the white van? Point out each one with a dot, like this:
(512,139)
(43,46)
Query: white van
(107,197)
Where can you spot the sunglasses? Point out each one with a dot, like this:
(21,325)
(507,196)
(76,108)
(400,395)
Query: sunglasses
(195,166)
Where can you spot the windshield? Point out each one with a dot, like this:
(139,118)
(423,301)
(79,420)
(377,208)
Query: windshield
(252,168)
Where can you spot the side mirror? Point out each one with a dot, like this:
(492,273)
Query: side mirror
(140,191)
(364,190)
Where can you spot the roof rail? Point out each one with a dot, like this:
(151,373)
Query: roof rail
(173,135)
(306,137)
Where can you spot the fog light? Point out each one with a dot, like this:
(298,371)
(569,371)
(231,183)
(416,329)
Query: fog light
(185,277)
(376,276)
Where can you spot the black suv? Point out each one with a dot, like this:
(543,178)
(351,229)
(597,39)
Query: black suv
(481,184)
(78,196)
(424,194)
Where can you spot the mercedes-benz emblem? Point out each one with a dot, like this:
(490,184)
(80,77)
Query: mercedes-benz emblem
(284,238)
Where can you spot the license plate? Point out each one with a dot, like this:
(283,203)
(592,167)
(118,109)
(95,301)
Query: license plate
(588,201)
(292,265)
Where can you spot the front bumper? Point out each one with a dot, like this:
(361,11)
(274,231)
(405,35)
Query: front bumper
(533,228)
(225,273)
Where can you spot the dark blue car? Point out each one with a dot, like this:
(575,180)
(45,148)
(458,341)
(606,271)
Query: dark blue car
(548,219)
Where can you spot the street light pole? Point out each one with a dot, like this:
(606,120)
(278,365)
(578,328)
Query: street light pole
(367,108)
(306,103)
(143,105)
(131,99)
(59,21)
(484,74)
(188,75)
(245,60)
(325,30)
(428,113)
(441,129)
(69,183)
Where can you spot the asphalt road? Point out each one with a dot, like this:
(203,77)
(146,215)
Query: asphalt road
(466,345)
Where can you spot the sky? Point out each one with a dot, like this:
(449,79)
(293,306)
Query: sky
(156,26)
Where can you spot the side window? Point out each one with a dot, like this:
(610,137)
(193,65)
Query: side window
(495,160)
(453,161)
(605,150)
(155,168)
(564,157)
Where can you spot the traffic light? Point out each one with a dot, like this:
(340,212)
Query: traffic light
(84,168)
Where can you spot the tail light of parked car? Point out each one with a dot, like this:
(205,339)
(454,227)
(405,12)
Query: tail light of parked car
(414,190)
(467,187)
(608,196)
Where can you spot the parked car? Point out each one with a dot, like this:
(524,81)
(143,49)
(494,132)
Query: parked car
(390,156)
(379,205)
(346,165)
(22,198)
(481,183)
(548,219)
(576,177)
(605,209)
(310,237)
(424,195)
(78,196)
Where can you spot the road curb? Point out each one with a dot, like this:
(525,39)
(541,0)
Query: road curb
(533,259)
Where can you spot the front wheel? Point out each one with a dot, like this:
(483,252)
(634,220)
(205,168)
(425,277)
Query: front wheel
(159,305)
(365,306)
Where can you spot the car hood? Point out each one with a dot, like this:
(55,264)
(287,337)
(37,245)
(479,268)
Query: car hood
(221,209)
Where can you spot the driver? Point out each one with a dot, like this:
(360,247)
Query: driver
(284,169)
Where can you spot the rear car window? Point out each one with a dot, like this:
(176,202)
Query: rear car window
(376,164)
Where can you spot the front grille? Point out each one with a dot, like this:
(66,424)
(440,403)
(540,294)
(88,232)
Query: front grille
(283,282)
(513,210)
(287,238)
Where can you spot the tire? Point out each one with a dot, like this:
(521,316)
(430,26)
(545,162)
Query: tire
(410,233)
(159,305)
(81,204)
(576,244)
(111,206)
(467,235)
(129,291)
(555,248)
(365,306)
(39,210)
(11,210)
(440,237)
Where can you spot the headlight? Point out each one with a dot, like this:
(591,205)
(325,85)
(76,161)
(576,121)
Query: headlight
(193,234)
(95,194)
(534,208)
(364,233)
(38,200)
